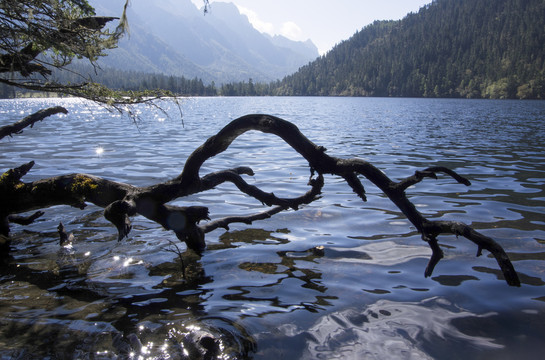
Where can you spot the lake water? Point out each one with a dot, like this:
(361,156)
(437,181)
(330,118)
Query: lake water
(263,291)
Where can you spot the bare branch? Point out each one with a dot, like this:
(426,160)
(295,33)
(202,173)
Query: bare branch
(317,185)
(482,242)
(248,219)
(431,172)
(123,200)
(437,254)
(30,120)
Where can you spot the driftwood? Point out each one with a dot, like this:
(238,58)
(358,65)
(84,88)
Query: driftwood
(121,201)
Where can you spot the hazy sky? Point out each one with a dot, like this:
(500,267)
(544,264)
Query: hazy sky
(325,22)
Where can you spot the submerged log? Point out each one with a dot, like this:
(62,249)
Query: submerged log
(122,201)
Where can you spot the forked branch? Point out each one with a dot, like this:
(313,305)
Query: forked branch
(121,201)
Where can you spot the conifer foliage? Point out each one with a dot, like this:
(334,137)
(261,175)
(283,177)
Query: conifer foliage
(39,37)
(450,48)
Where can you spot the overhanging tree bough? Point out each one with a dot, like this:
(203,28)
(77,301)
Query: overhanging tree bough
(121,201)
(43,36)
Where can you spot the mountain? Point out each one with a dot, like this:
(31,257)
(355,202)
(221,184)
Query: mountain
(173,37)
(450,48)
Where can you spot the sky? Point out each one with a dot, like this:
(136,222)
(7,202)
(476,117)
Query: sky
(325,22)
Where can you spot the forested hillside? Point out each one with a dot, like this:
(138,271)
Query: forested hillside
(450,48)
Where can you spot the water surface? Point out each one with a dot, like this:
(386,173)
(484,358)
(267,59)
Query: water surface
(264,290)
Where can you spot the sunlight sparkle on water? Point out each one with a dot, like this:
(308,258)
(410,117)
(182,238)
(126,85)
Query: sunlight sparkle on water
(99,150)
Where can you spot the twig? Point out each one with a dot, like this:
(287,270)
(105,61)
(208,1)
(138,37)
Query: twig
(177,251)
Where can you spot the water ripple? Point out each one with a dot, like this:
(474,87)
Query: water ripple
(338,278)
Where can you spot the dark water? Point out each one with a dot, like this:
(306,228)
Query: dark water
(264,291)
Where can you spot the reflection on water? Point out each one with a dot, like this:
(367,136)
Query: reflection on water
(337,279)
(390,330)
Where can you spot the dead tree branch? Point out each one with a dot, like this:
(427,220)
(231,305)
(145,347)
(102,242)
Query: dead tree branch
(121,201)
(30,120)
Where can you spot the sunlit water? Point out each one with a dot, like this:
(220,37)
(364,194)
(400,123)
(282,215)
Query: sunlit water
(264,290)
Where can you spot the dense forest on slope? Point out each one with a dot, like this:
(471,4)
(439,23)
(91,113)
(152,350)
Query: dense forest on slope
(450,48)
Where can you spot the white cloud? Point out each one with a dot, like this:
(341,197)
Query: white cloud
(288,29)
(260,25)
(291,30)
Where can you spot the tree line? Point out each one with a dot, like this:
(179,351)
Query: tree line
(126,81)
